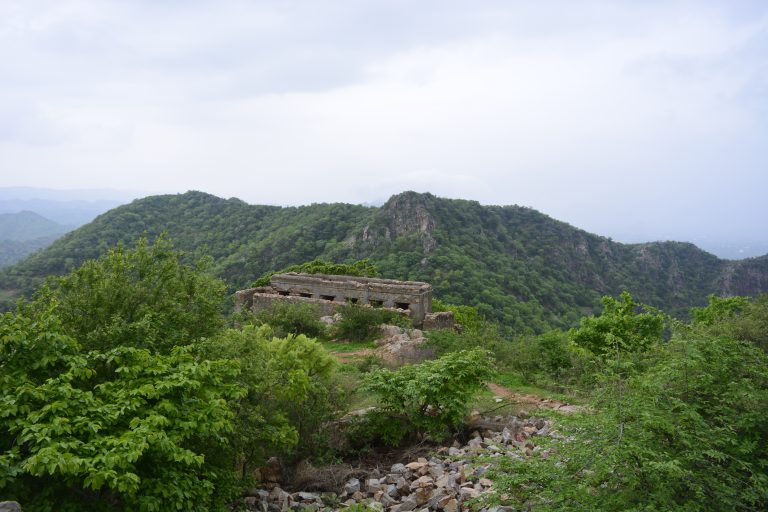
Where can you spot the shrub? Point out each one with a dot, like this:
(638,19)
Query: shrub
(621,326)
(143,297)
(550,360)
(736,317)
(467,316)
(290,393)
(293,319)
(361,323)
(429,398)
(688,433)
(487,337)
(113,429)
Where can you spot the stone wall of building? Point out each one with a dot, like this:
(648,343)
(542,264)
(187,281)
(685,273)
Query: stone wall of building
(263,301)
(440,320)
(331,292)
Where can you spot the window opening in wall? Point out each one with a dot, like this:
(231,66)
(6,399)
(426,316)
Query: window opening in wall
(327,297)
(376,303)
(306,295)
(401,305)
(351,300)
(284,294)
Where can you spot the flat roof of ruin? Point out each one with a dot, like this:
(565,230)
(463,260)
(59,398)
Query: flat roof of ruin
(354,279)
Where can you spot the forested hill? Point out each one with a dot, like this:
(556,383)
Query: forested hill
(516,264)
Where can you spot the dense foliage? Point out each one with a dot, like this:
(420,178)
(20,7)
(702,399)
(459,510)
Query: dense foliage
(289,394)
(117,428)
(516,265)
(361,323)
(674,425)
(292,319)
(425,399)
(145,297)
(621,327)
(689,433)
(121,391)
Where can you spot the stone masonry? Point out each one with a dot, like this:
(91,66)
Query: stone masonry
(331,292)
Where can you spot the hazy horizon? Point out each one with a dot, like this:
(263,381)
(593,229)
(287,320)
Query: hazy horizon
(634,120)
(101,200)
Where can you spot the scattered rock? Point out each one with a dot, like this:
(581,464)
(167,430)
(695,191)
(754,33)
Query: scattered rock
(446,481)
(352,486)
(399,346)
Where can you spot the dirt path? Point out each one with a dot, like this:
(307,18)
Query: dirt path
(532,400)
(346,357)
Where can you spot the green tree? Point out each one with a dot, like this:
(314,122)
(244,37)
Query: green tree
(718,310)
(688,433)
(737,317)
(144,297)
(290,393)
(621,327)
(113,429)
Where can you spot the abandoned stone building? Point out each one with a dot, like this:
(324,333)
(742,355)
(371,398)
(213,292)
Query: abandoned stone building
(330,292)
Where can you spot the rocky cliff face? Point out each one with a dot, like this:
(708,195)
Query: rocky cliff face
(743,277)
(404,215)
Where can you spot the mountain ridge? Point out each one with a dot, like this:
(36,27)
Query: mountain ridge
(518,265)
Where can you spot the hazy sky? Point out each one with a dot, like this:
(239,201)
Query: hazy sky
(644,119)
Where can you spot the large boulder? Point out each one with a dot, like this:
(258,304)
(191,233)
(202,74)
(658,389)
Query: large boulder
(398,346)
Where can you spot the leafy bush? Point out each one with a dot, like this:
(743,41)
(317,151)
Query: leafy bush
(429,398)
(143,297)
(467,316)
(718,310)
(290,393)
(621,326)
(113,429)
(688,433)
(293,319)
(361,323)
(736,317)
(486,337)
(378,428)
(551,360)
(106,407)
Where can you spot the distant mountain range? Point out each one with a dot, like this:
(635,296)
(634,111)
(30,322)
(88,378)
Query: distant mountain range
(32,218)
(519,266)
(67,207)
(23,233)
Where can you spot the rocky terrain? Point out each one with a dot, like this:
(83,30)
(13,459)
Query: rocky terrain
(450,479)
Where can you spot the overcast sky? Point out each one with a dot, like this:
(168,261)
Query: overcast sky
(637,119)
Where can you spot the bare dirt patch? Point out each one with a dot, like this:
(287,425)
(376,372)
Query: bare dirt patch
(533,401)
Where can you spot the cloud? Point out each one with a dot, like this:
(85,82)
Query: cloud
(604,114)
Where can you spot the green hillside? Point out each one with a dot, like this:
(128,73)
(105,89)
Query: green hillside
(516,264)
